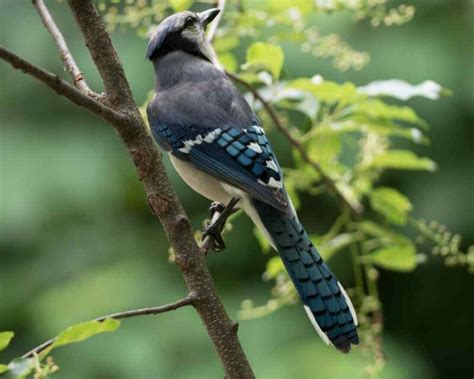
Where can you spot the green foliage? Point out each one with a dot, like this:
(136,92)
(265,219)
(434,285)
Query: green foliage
(20,368)
(351,133)
(391,204)
(397,258)
(85,330)
(5,338)
(265,56)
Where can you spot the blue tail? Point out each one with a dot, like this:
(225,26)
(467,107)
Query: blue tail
(328,307)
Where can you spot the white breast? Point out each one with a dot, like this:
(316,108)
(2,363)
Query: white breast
(214,190)
(201,182)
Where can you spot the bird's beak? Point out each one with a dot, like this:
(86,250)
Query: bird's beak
(207,16)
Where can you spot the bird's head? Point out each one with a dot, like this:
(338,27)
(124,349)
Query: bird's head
(183,31)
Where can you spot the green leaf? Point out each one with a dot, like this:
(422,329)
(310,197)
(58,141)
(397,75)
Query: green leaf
(84,330)
(274,268)
(262,240)
(20,368)
(326,90)
(224,44)
(402,90)
(387,236)
(403,160)
(228,60)
(381,127)
(391,204)
(180,5)
(324,149)
(303,6)
(3,368)
(339,242)
(265,56)
(349,194)
(377,109)
(5,338)
(396,258)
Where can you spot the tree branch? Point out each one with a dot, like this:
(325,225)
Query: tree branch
(272,113)
(64,52)
(61,87)
(189,300)
(97,39)
(212,29)
(160,195)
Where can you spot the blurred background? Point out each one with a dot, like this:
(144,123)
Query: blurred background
(78,241)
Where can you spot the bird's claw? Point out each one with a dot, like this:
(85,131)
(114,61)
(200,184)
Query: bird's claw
(219,215)
(213,231)
(216,207)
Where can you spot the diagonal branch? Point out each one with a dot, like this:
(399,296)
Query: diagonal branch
(160,195)
(69,63)
(123,114)
(189,300)
(99,44)
(272,113)
(61,87)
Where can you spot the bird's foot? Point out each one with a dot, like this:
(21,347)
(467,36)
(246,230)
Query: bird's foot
(214,232)
(219,214)
(214,228)
(216,207)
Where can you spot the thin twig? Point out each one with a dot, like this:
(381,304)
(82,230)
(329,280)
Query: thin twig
(354,209)
(61,87)
(69,63)
(189,300)
(211,31)
(117,89)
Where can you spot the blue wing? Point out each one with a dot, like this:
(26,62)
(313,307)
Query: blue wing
(240,157)
(208,123)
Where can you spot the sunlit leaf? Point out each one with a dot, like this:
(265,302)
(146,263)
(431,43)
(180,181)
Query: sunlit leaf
(180,5)
(328,248)
(349,194)
(381,127)
(376,109)
(225,44)
(274,268)
(403,160)
(84,330)
(391,204)
(397,258)
(386,236)
(289,98)
(5,338)
(326,90)
(302,6)
(402,90)
(265,56)
(262,240)
(324,149)
(3,368)
(229,61)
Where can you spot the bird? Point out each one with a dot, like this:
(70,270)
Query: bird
(218,146)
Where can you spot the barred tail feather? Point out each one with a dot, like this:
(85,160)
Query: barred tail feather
(325,301)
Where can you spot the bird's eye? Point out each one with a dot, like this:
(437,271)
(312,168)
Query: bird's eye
(190,20)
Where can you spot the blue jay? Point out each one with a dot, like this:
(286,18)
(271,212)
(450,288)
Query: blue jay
(218,146)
